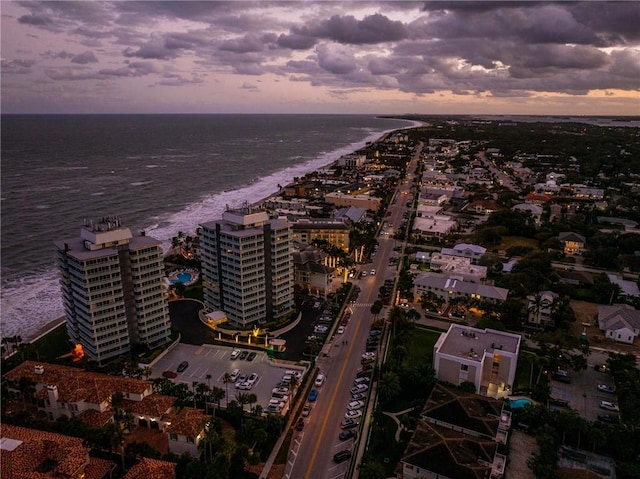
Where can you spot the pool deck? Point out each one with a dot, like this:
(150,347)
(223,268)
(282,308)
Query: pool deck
(173,276)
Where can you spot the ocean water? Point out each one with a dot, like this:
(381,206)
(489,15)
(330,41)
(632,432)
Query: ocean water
(159,173)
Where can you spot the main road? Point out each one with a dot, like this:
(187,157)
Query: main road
(312,449)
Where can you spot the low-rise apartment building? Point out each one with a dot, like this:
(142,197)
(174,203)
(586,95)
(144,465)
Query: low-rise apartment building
(485,357)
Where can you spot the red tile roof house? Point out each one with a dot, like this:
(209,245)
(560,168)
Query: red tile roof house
(186,430)
(30,453)
(72,392)
(152,469)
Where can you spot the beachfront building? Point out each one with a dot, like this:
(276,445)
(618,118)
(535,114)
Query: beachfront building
(247,266)
(112,290)
(485,357)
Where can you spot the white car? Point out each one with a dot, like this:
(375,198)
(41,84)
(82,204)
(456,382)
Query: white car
(353,414)
(252,378)
(355,405)
(368,355)
(341,330)
(235,374)
(234,354)
(360,388)
(245,385)
(373,271)
(609,405)
(280,390)
(320,380)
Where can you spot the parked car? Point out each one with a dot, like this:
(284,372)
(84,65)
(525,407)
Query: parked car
(341,456)
(169,374)
(348,423)
(606,388)
(252,378)
(347,434)
(610,418)
(362,380)
(353,414)
(300,424)
(306,410)
(251,356)
(244,385)
(562,378)
(234,375)
(273,409)
(355,405)
(234,354)
(313,395)
(375,332)
(243,354)
(340,329)
(320,380)
(280,390)
(182,366)
(363,374)
(358,396)
(601,368)
(609,406)
(360,388)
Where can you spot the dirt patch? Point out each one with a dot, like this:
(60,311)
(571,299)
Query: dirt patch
(522,447)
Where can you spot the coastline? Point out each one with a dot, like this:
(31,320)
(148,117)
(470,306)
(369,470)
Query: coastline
(40,309)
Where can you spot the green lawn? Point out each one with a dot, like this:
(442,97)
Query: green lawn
(420,348)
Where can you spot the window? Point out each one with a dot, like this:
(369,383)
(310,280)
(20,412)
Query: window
(173,437)
(464,367)
(189,439)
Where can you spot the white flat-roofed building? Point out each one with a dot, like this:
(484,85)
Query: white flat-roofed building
(458,266)
(113,291)
(360,201)
(485,357)
(247,266)
(435,226)
(449,286)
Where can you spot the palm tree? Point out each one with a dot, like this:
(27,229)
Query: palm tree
(389,386)
(293,384)
(251,400)
(208,378)
(216,395)
(226,379)
(242,398)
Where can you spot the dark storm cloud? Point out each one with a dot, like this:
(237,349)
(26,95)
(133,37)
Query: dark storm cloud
(84,58)
(508,48)
(34,20)
(347,29)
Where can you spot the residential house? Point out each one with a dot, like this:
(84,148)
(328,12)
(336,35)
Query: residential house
(541,308)
(458,266)
(535,211)
(485,357)
(573,243)
(70,392)
(620,322)
(483,207)
(151,468)
(31,453)
(466,250)
(437,226)
(310,270)
(186,431)
(628,289)
(447,286)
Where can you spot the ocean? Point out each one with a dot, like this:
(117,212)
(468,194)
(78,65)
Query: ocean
(159,173)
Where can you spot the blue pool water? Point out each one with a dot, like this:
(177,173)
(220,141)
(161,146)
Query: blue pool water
(518,403)
(183,278)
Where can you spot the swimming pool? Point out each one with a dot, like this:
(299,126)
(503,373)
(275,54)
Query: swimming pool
(183,278)
(519,403)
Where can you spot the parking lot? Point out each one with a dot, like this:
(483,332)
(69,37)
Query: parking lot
(582,393)
(214,360)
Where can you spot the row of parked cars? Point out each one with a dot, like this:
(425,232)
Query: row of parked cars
(359,393)
(280,394)
(238,354)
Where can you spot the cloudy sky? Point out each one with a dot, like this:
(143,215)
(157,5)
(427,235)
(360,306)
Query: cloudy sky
(321,57)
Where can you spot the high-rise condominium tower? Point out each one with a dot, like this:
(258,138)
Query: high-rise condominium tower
(112,289)
(247,266)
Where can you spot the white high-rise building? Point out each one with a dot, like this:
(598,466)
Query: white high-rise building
(247,266)
(112,290)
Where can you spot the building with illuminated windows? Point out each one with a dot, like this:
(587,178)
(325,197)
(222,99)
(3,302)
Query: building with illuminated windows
(485,357)
(112,290)
(247,266)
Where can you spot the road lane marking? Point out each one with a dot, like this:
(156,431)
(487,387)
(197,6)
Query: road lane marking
(331,403)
